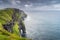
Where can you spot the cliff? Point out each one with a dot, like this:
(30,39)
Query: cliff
(11,24)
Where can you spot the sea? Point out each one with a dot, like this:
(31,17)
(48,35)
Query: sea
(43,25)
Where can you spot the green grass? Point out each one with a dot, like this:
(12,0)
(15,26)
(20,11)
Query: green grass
(5,17)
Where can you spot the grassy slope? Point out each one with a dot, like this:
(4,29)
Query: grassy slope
(5,17)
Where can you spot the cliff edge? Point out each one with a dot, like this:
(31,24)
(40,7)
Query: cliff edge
(11,24)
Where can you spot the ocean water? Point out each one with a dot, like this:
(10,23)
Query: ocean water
(43,25)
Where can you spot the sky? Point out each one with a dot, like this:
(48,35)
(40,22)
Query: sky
(32,5)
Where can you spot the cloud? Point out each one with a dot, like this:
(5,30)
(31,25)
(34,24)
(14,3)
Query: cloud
(54,7)
(15,2)
(18,1)
(49,7)
(31,5)
(28,5)
(43,2)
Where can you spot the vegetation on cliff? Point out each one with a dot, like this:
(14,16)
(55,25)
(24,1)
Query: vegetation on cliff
(6,17)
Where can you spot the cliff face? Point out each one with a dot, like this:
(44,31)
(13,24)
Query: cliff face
(11,23)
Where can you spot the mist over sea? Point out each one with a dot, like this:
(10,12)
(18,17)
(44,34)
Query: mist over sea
(43,25)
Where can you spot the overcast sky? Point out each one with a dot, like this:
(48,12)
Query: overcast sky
(32,4)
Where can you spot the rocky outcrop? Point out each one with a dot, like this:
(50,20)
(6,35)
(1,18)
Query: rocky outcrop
(15,15)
